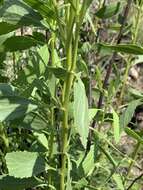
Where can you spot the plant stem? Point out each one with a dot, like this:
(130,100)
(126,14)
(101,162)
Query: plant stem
(71,65)
(51,140)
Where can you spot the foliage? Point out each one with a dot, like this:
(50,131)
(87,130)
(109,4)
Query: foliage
(64,98)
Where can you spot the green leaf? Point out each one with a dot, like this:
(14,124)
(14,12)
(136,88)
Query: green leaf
(4,37)
(1,2)
(136,93)
(13,107)
(7,27)
(123,48)
(108,11)
(42,139)
(24,164)
(116,126)
(17,13)
(42,58)
(127,115)
(89,162)
(32,122)
(83,10)
(91,113)
(45,9)
(17,43)
(81,111)
(133,134)
(59,72)
(117,178)
(11,183)
(7,90)
(36,66)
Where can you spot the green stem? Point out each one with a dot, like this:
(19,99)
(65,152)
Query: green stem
(51,145)
(51,140)
(71,57)
(134,155)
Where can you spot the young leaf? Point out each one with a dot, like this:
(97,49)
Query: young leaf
(127,115)
(81,111)
(12,183)
(24,164)
(108,11)
(116,126)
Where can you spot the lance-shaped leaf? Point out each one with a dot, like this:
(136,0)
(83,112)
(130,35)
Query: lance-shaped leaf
(108,11)
(17,43)
(12,183)
(24,164)
(81,111)
(127,115)
(123,48)
(116,126)
(134,135)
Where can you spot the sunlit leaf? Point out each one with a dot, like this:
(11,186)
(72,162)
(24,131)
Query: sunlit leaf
(117,178)
(24,164)
(81,111)
(116,126)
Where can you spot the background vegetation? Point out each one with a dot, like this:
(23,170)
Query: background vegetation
(71,94)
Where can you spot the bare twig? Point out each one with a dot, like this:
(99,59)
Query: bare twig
(135,180)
